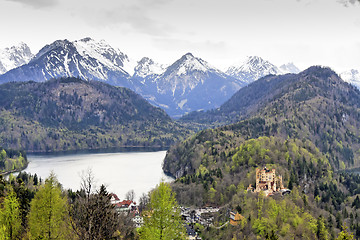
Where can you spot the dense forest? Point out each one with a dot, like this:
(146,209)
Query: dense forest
(306,127)
(32,208)
(70,113)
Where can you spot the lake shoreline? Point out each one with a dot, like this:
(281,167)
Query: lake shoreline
(101,150)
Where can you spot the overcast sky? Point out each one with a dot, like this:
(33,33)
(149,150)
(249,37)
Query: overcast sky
(222,32)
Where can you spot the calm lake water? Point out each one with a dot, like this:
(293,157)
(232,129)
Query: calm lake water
(119,171)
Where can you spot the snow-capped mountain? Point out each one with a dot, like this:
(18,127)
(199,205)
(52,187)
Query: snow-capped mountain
(352,76)
(14,57)
(289,68)
(252,69)
(190,84)
(147,67)
(85,58)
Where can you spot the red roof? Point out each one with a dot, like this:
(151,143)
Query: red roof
(124,203)
(115,196)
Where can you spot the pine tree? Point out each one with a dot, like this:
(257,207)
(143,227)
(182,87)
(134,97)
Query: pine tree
(163,220)
(10,219)
(48,217)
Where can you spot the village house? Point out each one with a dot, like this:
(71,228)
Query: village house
(114,198)
(125,206)
(235,218)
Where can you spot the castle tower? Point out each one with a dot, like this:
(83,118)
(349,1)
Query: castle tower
(257,189)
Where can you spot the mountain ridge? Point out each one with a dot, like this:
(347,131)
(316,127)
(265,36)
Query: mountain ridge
(315,105)
(175,87)
(71,114)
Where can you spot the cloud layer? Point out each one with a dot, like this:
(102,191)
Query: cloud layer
(218,31)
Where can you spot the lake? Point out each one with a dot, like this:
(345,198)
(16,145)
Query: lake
(118,171)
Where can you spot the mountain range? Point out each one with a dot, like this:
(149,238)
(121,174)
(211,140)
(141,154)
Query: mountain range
(188,84)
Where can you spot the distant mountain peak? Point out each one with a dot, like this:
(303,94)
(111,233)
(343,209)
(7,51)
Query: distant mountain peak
(188,56)
(189,63)
(252,69)
(146,67)
(86,39)
(85,58)
(289,68)
(352,76)
(15,56)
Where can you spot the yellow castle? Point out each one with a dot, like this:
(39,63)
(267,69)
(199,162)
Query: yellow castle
(267,181)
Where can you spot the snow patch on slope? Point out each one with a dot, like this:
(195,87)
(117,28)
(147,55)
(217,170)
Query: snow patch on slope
(101,51)
(147,67)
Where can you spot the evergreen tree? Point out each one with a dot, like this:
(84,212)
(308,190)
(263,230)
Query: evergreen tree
(321,231)
(345,235)
(10,219)
(36,181)
(356,202)
(48,217)
(163,220)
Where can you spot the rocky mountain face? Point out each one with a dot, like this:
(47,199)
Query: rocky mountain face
(84,58)
(70,113)
(252,69)
(188,84)
(14,57)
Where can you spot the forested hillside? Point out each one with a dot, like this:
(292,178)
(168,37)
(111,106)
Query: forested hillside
(70,113)
(306,126)
(313,105)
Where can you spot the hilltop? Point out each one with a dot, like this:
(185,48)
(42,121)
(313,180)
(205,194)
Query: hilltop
(70,113)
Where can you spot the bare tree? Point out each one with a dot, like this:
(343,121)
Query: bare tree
(144,201)
(93,215)
(87,181)
(130,195)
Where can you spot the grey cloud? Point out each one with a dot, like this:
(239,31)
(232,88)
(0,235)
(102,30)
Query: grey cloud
(136,14)
(36,3)
(204,46)
(347,2)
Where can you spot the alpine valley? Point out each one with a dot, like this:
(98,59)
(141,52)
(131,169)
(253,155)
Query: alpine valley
(294,134)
